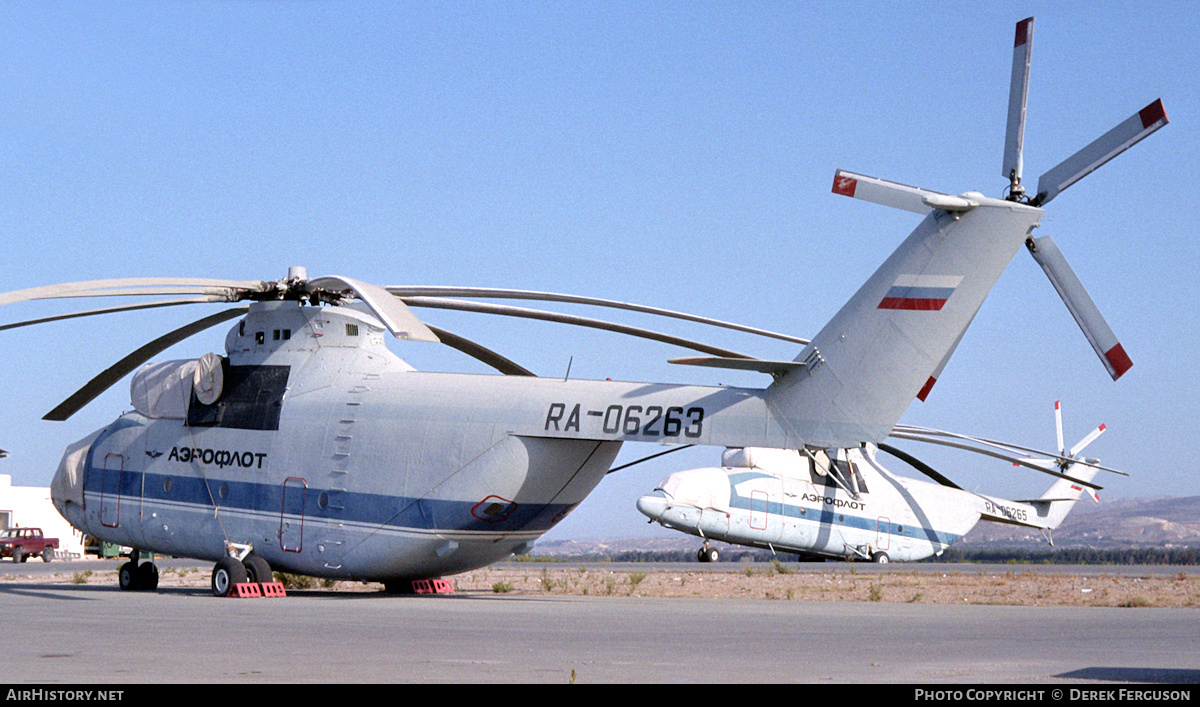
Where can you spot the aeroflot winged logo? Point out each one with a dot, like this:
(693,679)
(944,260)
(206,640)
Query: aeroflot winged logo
(927,293)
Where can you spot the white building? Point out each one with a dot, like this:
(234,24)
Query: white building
(30,507)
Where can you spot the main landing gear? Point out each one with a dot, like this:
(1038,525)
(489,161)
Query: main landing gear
(230,571)
(138,576)
(708,554)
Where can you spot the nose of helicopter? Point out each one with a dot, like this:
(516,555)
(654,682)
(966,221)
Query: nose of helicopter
(652,505)
(66,488)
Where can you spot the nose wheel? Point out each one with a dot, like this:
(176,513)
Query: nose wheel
(708,554)
(137,576)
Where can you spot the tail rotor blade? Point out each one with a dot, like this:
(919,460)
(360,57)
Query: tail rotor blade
(1018,94)
(899,196)
(1058,427)
(1086,441)
(1077,299)
(1104,148)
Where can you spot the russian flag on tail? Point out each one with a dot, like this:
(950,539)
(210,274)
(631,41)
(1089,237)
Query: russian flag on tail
(927,293)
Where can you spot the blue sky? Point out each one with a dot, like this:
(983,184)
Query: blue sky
(678,154)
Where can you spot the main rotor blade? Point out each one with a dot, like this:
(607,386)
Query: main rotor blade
(987,452)
(1018,95)
(121,368)
(406,293)
(394,314)
(231,290)
(111,310)
(918,465)
(1127,134)
(504,310)
(932,436)
(1083,309)
(480,353)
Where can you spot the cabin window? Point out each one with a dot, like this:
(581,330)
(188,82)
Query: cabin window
(260,337)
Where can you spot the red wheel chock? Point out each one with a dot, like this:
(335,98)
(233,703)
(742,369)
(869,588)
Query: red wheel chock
(245,590)
(432,586)
(273,589)
(257,590)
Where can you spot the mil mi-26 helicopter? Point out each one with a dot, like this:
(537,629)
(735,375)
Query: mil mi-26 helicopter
(309,447)
(843,503)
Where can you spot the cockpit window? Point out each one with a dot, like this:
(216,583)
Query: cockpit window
(251,400)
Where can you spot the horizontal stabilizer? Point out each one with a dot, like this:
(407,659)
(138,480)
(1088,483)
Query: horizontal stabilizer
(741,364)
(1101,150)
(896,195)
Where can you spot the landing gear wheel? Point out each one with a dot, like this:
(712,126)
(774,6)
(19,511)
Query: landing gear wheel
(257,569)
(128,576)
(226,573)
(147,576)
(708,554)
(880,558)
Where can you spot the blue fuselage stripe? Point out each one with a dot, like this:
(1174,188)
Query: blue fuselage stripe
(324,504)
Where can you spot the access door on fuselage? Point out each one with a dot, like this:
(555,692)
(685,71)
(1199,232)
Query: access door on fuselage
(291,517)
(111,481)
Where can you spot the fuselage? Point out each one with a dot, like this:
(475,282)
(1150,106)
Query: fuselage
(786,502)
(330,456)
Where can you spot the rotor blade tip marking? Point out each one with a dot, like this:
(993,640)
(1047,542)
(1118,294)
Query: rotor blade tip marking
(844,185)
(1022,32)
(1153,113)
(1119,360)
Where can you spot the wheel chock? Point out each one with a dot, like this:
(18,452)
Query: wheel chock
(273,589)
(245,590)
(432,586)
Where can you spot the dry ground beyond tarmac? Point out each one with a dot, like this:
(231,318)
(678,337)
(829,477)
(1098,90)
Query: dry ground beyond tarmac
(780,582)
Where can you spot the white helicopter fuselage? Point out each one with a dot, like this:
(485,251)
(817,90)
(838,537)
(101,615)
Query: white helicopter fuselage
(327,455)
(782,501)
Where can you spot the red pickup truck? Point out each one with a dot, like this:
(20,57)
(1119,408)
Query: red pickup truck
(21,543)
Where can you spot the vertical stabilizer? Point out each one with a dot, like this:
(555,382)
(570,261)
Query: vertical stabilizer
(865,367)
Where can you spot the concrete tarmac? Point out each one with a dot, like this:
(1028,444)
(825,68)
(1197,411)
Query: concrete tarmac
(94,634)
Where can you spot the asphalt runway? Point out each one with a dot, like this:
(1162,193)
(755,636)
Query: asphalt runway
(96,634)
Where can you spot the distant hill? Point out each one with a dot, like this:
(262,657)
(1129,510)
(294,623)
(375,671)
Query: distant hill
(1121,523)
